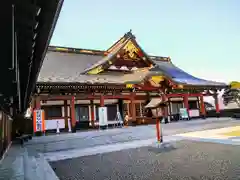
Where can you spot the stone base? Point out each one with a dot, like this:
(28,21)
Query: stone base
(103,127)
(74,129)
(162,147)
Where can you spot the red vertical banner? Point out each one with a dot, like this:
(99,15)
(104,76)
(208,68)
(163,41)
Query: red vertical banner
(34,121)
(39,121)
(43,121)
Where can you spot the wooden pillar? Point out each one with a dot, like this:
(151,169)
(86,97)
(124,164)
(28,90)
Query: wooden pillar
(202,108)
(216,104)
(37,102)
(133,107)
(73,118)
(170,108)
(66,114)
(92,113)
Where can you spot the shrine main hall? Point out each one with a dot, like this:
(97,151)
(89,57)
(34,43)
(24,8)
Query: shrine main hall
(74,83)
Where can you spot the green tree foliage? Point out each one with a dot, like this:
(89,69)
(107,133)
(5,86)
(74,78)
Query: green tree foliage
(230,96)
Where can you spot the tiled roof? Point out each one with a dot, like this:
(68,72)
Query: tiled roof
(182,77)
(69,65)
(60,67)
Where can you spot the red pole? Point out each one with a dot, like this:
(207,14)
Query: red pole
(158,130)
(216,104)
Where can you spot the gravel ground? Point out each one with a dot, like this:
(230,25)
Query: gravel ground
(186,160)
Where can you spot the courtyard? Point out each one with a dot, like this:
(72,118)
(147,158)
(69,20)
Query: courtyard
(129,153)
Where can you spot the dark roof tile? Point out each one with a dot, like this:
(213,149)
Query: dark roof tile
(60,67)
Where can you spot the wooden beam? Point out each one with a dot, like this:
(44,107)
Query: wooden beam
(82,97)
(125,97)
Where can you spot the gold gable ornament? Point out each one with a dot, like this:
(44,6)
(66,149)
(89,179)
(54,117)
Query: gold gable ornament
(131,49)
(96,70)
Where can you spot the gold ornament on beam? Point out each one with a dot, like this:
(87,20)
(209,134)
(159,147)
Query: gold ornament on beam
(129,86)
(131,49)
(96,70)
(157,79)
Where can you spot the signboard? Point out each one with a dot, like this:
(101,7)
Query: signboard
(194,113)
(38,121)
(102,114)
(184,113)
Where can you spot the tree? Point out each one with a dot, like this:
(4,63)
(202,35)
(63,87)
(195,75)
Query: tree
(231,95)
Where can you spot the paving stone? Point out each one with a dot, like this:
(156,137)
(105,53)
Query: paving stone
(188,160)
(31,156)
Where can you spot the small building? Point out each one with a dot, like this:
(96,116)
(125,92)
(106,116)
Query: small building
(74,83)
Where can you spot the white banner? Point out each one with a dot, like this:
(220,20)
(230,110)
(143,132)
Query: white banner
(102,114)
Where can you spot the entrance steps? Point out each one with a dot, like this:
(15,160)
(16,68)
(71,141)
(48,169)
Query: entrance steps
(19,164)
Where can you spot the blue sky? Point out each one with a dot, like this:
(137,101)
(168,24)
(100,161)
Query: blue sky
(201,37)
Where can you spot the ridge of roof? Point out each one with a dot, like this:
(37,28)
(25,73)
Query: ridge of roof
(64,49)
(115,49)
(160,58)
(121,40)
(108,56)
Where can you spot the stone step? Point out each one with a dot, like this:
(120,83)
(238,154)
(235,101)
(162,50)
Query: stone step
(19,164)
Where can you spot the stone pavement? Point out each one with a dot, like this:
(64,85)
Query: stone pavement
(81,140)
(227,135)
(30,161)
(186,160)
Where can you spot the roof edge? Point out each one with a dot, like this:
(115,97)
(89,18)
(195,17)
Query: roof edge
(64,49)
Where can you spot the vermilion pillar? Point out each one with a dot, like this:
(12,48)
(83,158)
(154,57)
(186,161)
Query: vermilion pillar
(66,114)
(203,110)
(185,101)
(73,118)
(92,113)
(38,103)
(101,100)
(165,109)
(133,106)
(216,103)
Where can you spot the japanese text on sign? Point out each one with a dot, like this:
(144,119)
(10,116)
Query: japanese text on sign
(39,120)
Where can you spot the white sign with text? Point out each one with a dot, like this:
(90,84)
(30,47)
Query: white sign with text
(102,114)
